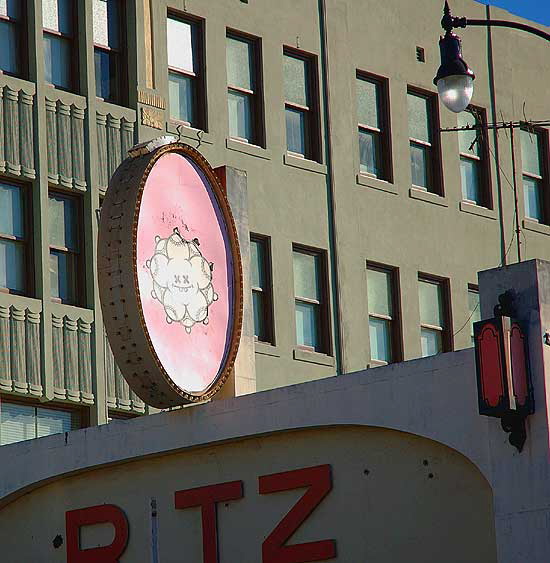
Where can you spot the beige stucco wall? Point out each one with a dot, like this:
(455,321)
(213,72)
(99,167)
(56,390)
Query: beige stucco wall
(384,506)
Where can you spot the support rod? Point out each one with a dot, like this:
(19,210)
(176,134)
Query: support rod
(510,24)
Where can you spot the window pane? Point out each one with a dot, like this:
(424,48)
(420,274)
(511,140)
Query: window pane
(419,118)
(307,276)
(181,92)
(530,153)
(50,421)
(181,45)
(107,23)
(10,8)
(240,115)
(257,264)
(9,47)
(11,210)
(431,342)
(532,192)
(368,103)
(12,265)
(296,131)
(258,303)
(105,74)
(57,60)
(469,174)
(379,292)
(295,76)
(307,325)
(63,226)
(467,139)
(57,15)
(431,304)
(369,152)
(474,310)
(420,166)
(63,276)
(380,339)
(17,423)
(240,63)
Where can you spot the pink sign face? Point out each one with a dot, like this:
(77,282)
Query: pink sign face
(184,268)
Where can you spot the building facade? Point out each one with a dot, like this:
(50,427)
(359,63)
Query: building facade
(367,223)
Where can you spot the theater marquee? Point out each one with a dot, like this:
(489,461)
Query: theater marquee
(170,275)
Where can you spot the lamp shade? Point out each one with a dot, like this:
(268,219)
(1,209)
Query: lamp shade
(454,79)
(502,367)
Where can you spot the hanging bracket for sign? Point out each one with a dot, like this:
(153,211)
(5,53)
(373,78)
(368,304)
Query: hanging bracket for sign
(170,274)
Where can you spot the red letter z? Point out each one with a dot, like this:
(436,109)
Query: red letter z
(318,479)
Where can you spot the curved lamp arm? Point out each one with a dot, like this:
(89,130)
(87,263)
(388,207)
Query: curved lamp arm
(450,22)
(513,25)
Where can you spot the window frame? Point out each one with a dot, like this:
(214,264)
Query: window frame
(312,140)
(199,78)
(256,95)
(74,51)
(447,337)
(473,288)
(325,340)
(80,275)
(121,58)
(483,161)
(386,158)
(435,166)
(396,330)
(81,412)
(21,31)
(544,181)
(267,292)
(26,192)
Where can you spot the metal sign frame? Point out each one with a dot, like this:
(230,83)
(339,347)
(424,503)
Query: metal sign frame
(121,303)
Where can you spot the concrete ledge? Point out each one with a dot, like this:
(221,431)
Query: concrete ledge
(435,398)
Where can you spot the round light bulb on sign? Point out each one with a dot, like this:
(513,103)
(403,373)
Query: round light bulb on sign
(170,275)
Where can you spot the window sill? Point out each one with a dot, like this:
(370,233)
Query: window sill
(478,210)
(266,349)
(376,183)
(530,225)
(428,197)
(247,148)
(189,132)
(304,164)
(313,357)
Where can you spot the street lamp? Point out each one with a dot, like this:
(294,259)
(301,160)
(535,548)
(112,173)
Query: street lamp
(454,79)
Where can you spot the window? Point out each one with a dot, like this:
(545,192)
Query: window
(13,238)
(424,142)
(310,300)
(185,71)
(474,310)
(384,330)
(533,144)
(261,289)
(59,54)
(374,141)
(301,114)
(11,31)
(65,260)
(20,422)
(107,49)
(243,83)
(434,316)
(474,172)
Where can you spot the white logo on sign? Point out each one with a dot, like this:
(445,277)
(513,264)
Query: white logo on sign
(182,280)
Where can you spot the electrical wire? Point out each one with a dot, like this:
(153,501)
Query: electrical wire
(466,323)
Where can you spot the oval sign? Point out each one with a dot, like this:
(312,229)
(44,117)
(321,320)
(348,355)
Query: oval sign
(170,276)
